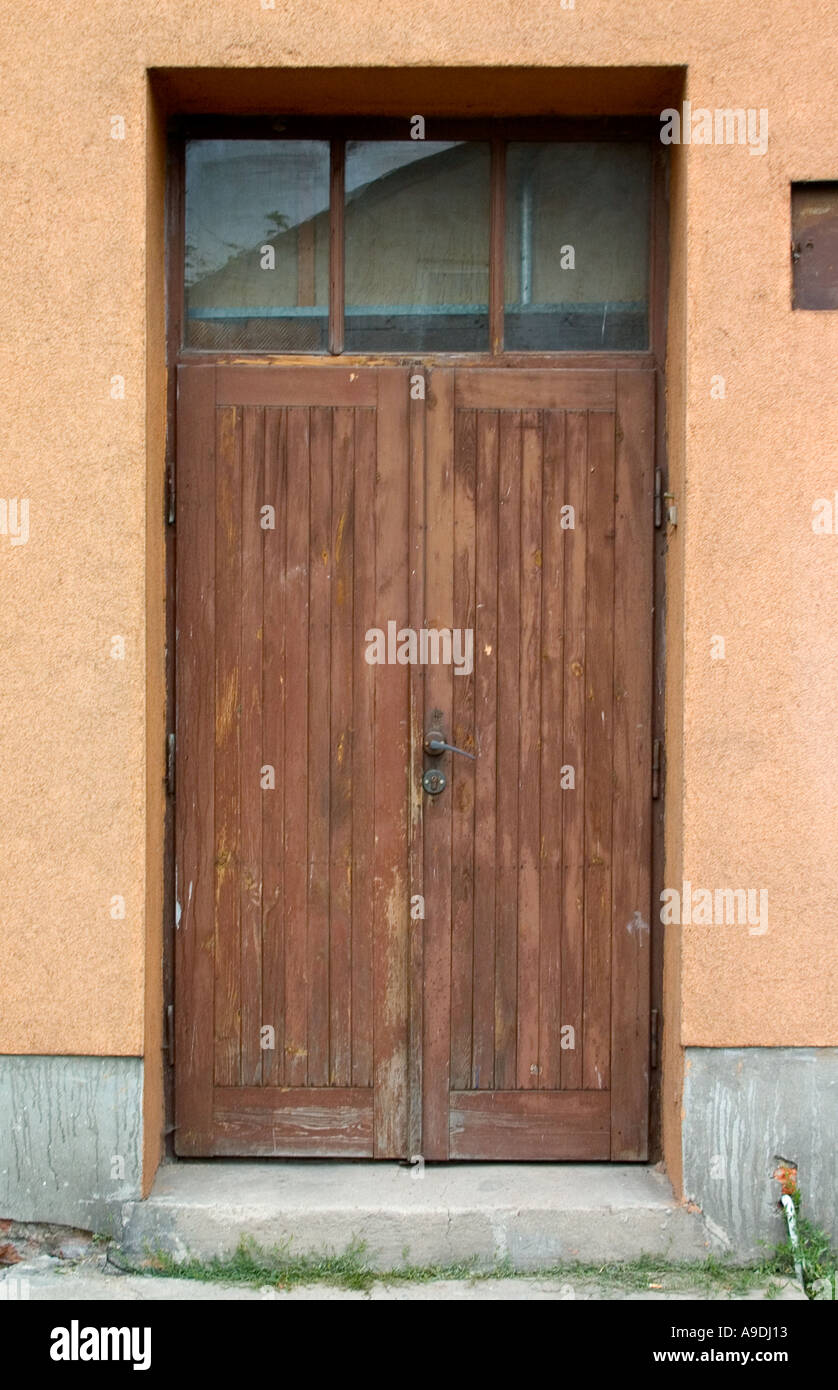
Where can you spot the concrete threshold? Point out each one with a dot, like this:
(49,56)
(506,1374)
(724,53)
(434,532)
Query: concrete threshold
(533,1215)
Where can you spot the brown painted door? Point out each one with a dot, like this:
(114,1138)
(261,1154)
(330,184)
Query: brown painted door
(316,1014)
(537,855)
(291,809)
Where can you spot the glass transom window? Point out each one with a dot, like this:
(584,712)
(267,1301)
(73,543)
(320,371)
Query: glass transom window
(416,246)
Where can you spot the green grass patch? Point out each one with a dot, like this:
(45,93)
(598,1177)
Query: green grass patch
(280,1268)
(819,1260)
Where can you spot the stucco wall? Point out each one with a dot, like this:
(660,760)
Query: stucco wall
(752,792)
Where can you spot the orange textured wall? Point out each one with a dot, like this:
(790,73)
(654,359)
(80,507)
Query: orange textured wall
(752,790)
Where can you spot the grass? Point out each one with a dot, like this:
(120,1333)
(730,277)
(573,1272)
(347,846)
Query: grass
(280,1268)
(820,1261)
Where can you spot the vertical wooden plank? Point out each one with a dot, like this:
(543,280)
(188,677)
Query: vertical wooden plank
(296,745)
(599,674)
(461,770)
(439,602)
(529,768)
(195,716)
(363,751)
(250,874)
(633,581)
(416,677)
(319,750)
(273,743)
(573,747)
(508,761)
(485,726)
(391,905)
(552,750)
(340,812)
(228,561)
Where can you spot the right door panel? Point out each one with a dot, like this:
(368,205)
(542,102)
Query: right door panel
(539,511)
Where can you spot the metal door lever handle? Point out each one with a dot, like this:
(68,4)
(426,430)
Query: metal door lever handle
(435,745)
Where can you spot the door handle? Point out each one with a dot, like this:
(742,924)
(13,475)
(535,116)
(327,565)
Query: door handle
(435,744)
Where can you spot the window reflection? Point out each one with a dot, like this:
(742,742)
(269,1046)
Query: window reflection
(417,246)
(257,244)
(577,246)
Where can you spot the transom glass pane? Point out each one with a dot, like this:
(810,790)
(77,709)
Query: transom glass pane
(257,245)
(417,246)
(577,246)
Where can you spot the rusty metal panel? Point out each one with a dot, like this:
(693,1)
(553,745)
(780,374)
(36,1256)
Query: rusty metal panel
(814,233)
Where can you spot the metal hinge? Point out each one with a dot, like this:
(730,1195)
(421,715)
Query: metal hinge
(170,1034)
(170,494)
(656,769)
(662,497)
(170,765)
(654,1031)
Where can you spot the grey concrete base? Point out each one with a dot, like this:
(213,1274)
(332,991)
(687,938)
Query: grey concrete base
(744,1108)
(70,1153)
(534,1215)
(70,1139)
(92,1285)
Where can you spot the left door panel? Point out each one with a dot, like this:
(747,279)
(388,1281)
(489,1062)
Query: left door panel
(292,894)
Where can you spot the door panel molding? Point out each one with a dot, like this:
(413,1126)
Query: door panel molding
(498,388)
(525,1125)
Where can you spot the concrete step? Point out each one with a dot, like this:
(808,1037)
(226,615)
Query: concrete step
(532,1214)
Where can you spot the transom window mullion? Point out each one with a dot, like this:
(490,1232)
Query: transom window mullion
(336,246)
(497,227)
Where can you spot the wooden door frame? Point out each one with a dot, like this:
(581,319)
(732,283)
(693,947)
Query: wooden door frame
(654,357)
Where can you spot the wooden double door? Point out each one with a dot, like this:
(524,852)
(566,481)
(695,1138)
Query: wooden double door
(365,965)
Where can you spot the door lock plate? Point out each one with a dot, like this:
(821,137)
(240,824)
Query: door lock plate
(434,781)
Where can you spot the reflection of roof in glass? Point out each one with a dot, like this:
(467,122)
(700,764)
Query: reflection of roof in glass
(377,189)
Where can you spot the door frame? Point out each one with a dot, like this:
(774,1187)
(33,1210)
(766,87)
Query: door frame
(496,130)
